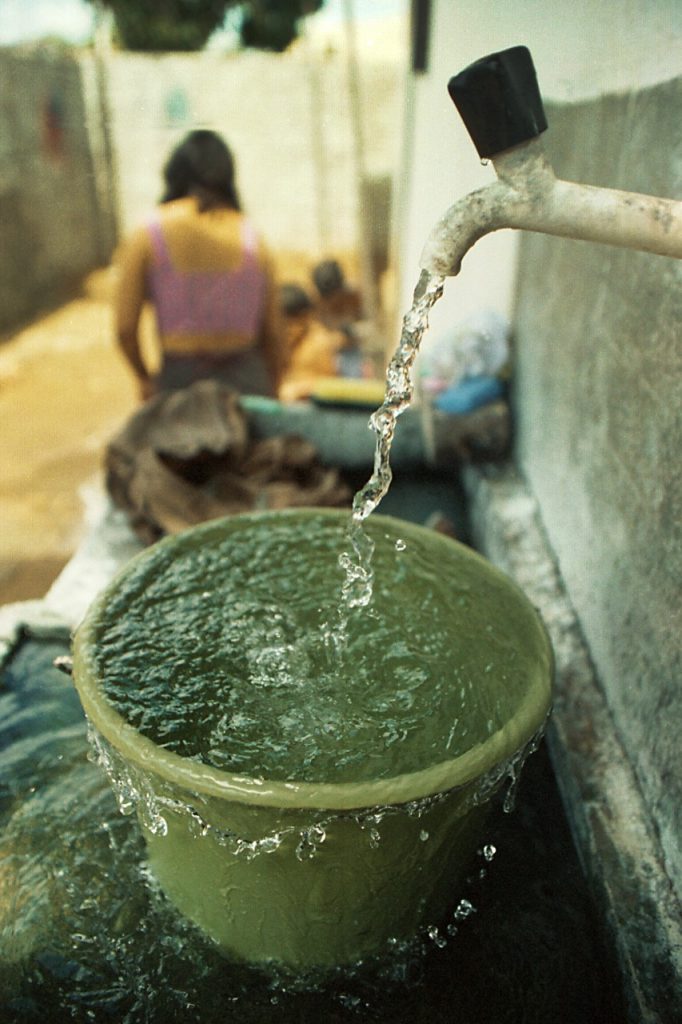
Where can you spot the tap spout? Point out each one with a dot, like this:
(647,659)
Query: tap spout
(528,196)
(499,101)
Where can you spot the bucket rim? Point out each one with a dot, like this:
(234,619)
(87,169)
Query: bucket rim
(198,778)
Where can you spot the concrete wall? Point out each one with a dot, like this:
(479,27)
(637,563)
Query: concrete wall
(580,49)
(287,120)
(597,393)
(52,231)
(598,409)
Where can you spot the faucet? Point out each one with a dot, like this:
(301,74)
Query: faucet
(499,101)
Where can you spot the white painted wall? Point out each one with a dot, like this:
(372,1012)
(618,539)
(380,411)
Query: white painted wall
(287,119)
(581,49)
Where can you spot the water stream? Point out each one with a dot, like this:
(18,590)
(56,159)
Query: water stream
(357,564)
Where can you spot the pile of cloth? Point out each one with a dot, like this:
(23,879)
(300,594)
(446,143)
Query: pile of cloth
(188,456)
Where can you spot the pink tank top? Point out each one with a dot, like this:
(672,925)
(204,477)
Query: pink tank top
(207,302)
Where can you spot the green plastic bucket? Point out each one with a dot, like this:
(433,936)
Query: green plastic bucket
(317,873)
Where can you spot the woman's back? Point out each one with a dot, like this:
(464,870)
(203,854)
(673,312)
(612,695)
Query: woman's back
(200,263)
(206,278)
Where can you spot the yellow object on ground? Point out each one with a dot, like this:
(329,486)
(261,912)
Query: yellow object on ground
(349,391)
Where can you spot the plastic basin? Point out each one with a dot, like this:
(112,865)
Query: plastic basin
(318,873)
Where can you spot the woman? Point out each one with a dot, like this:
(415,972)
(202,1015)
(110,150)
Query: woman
(200,263)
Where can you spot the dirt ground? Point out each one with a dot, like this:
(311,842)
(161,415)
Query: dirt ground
(64,391)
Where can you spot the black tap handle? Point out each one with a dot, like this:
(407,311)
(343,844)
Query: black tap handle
(499,100)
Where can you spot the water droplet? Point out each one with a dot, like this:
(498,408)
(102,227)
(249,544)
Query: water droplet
(400,544)
(270,843)
(436,937)
(509,802)
(350,1001)
(489,851)
(484,161)
(125,804)
(463,910)
(423,835)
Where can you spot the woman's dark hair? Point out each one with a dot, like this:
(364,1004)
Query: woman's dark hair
(201,166)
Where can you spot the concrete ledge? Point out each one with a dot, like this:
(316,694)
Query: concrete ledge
(614,834)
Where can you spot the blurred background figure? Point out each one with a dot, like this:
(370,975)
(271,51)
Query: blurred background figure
(200,263)
(337,304)
(315,351)
(340,307)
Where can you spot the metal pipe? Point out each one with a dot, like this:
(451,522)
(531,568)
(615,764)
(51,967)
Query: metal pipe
(498,98)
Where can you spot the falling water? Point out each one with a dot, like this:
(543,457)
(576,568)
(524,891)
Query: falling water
(357,587)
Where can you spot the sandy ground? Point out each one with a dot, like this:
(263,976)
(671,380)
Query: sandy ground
(64,391)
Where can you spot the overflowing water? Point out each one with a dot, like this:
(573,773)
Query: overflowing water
(357,588)
(86,936)
(134,794)
(243,674)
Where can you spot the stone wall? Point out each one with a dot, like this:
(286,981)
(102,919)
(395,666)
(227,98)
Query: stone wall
(598,405)
(52,229)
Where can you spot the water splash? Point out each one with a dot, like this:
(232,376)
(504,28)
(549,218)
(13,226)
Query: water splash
(357,564)
(463,910)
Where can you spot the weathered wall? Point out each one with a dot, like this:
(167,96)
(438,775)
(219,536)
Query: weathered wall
(51,229)
(287,120)
(598,403)
(73,164)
